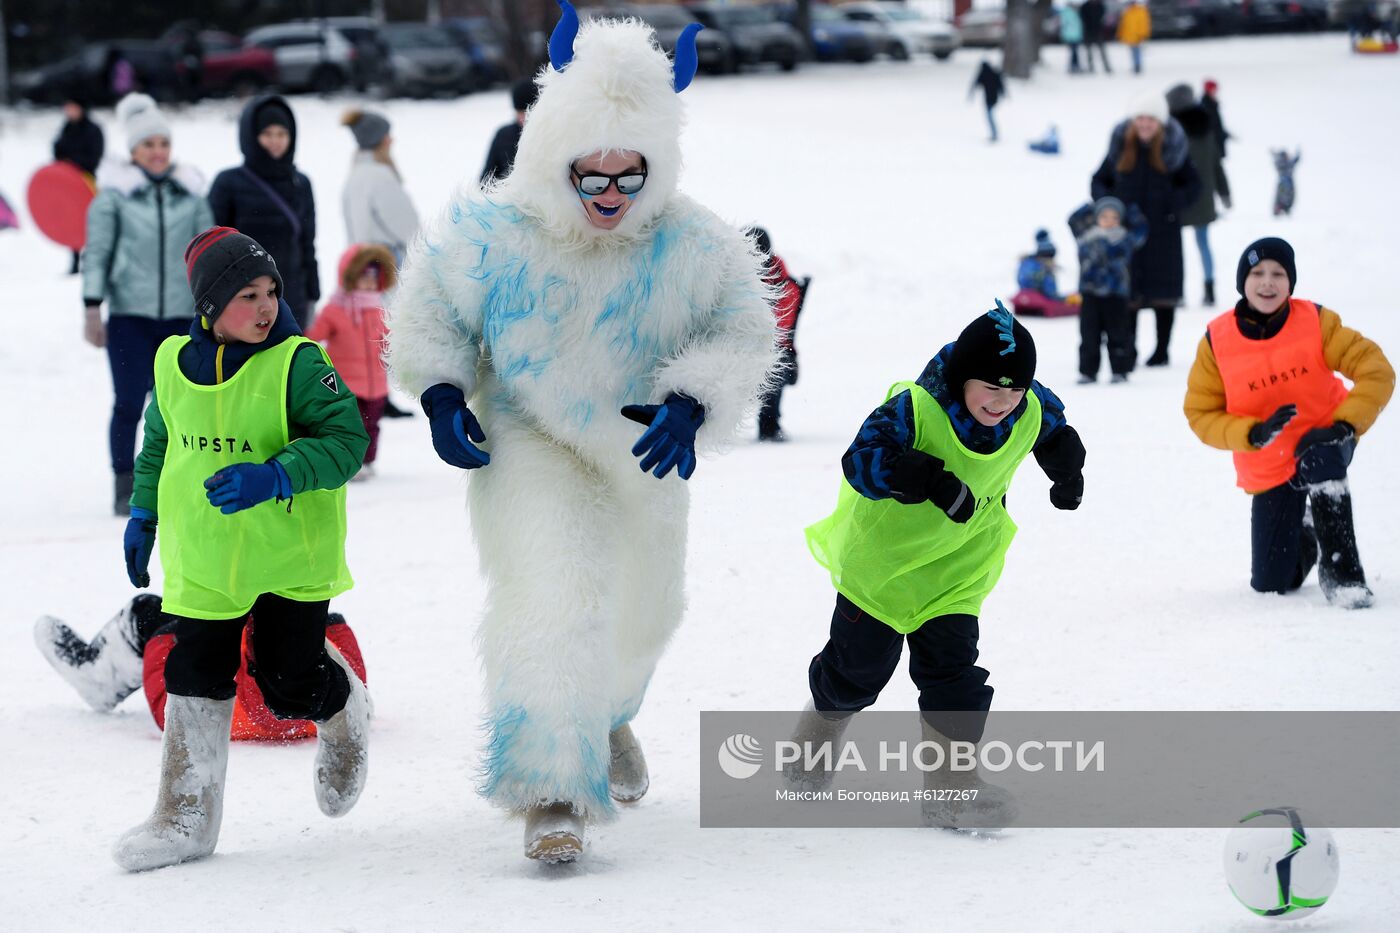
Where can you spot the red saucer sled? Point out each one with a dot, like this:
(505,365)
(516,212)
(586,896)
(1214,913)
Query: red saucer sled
(59,195)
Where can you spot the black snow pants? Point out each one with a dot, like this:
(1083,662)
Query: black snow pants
(1106,317)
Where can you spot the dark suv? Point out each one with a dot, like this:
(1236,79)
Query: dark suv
(756,34)
(712,48)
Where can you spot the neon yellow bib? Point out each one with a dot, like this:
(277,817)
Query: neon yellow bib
(216,565)
(906,564)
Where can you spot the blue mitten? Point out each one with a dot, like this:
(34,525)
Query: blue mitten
(456,432)
(669,440)
(244,485)
(137,541)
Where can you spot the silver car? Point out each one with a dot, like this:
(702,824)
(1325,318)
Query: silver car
(425,60)
(310,56)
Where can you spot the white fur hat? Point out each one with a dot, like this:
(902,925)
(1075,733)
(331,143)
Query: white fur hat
(616,93)
(141,119)
(1149,104)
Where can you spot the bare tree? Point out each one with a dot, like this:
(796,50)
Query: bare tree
(1019,50)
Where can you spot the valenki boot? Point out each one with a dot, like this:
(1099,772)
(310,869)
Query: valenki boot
(1338,565)
(553,833)
(815,729)
(627,766)
(342,747)
(190,799)
(962,799)
(107,669)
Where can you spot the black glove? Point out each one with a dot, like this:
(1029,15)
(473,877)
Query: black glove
(1067,494)
(919,477)
(1340,433)
(1263,433)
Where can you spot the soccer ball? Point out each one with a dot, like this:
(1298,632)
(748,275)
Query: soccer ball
(1276,867)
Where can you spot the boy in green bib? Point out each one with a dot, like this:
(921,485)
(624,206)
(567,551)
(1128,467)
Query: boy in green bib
(921,531)
(250,437)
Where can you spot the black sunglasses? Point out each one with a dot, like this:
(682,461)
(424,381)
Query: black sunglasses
(592,184)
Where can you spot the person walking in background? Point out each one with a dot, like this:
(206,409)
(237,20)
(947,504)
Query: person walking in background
(1091,14)
(1204,147)
(501,156)
(351,328)
(79,143)
(1210,102)
(1148,164)
(269,200)
(1072,34)
(993,90)
(786,308)
(147,207)
(376,206)
(1134,29)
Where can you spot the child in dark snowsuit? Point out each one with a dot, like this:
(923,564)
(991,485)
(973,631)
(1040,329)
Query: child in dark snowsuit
(1285,191)
(246,414)
(1106,250)
(1264,386)
(920,533)
(786,307)
(993,90)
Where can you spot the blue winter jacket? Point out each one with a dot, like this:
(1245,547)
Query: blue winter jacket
(137,231)
(1106,256)
(1071,26)
(1038,274)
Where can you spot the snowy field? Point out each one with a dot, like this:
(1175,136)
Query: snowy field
(879,183)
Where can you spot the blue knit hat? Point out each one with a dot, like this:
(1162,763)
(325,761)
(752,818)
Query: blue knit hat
(1043,245)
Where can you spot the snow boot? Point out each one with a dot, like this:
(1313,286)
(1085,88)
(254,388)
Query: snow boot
(106,670)
(627,766)
(1339,565)
(815,729)
(961,799)
(393,411)
(190,800)
(1209,300)
(122,484)
(553,833)
(342,747)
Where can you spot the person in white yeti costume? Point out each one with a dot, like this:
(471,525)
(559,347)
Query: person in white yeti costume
(579,292)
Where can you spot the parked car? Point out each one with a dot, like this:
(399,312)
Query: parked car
(425,60)
(371,59)
(715,52)
(311,56)
(986,29)
(1283,15)
(228,66)
(920,34)
(756,34)
(484,45)
(89,72)
(1174,19)
(836,38)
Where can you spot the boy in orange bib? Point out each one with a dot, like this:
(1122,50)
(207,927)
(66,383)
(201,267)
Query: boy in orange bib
(1265,386)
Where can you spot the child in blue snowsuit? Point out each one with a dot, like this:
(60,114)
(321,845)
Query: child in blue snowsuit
(1106,247)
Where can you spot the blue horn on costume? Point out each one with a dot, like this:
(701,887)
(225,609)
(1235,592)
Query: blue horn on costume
(683,69)
(561,41)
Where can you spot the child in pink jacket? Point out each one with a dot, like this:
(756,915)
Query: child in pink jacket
(351,328)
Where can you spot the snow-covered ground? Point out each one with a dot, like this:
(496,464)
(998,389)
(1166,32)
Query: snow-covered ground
(877,181)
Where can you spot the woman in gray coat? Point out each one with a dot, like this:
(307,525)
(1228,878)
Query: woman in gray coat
(146,210)
(1204,143)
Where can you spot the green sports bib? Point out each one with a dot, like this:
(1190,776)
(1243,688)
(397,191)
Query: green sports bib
(216,565)
(906,564)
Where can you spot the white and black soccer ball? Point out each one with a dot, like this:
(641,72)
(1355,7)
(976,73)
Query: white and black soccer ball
(1277,867)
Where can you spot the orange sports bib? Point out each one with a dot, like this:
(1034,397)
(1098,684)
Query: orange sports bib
(1261,375)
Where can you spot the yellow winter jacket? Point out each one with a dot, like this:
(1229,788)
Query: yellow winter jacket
(1135,25)
(1346,351)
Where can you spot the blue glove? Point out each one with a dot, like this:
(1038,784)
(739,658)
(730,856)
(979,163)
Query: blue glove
(137,541)
(454,427)
(669,441)
(244,485)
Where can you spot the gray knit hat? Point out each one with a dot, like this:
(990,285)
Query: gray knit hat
(369,128)
(1109,203)
(220,263)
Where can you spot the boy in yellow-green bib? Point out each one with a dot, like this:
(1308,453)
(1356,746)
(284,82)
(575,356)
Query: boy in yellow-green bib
(921,531)
(250,437)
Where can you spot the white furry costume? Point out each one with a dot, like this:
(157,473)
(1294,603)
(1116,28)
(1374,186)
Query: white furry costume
(549,326)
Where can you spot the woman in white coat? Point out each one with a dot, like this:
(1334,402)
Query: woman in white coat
(377,208)
(579,295)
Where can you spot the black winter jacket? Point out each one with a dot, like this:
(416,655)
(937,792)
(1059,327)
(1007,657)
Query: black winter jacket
(240,198)
(81,143)
(1161,196)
